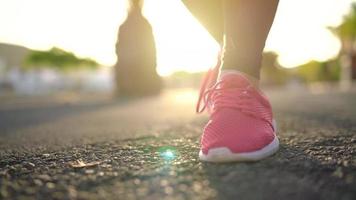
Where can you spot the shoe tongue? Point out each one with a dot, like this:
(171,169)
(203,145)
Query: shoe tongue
(233,80)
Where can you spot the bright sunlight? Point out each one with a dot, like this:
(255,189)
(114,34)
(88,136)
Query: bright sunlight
(89,28)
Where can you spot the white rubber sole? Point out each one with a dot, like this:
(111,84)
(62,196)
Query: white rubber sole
(223,154)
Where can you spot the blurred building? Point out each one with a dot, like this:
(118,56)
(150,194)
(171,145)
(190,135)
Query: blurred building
(12,55)
(11,60)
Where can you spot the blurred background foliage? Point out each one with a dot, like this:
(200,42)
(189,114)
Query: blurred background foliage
(347,29)
(58,59)
(315,71)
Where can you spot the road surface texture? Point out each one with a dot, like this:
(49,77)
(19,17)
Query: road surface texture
(93,147)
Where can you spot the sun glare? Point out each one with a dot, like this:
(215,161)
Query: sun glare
(89,29)
(182,43)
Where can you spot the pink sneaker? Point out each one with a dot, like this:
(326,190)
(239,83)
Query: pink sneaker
(241,125)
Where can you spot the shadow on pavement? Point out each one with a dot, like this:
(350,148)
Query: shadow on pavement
(290,174)
(16,118)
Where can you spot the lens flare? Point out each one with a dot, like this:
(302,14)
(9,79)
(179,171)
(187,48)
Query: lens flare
(167,153)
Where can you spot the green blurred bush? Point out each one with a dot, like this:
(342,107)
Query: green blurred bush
(58,59)
(315,71)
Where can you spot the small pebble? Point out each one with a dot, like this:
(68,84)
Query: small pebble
(44,177)
(89,171)
(50,185)
(38,182)
(30,165)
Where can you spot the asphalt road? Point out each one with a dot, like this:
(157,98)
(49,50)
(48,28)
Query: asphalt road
(93,147)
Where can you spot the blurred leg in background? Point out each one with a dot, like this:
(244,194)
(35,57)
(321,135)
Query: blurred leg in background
(136,64)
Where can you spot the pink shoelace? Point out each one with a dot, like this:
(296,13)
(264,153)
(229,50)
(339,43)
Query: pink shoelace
(212,96)
(208,81)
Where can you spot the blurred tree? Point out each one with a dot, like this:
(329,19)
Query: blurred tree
(272,73)
(315,71)
(136,55)
(58,59)
(346,31)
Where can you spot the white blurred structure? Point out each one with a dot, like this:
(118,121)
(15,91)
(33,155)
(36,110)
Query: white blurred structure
(47,81)
(15,80)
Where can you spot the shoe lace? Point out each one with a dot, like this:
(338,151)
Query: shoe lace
(218,97)
(213,97)
(208,81)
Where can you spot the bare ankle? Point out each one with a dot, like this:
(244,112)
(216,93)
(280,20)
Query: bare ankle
(253,80)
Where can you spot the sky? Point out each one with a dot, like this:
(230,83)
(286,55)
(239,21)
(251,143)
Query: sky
(89,29)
